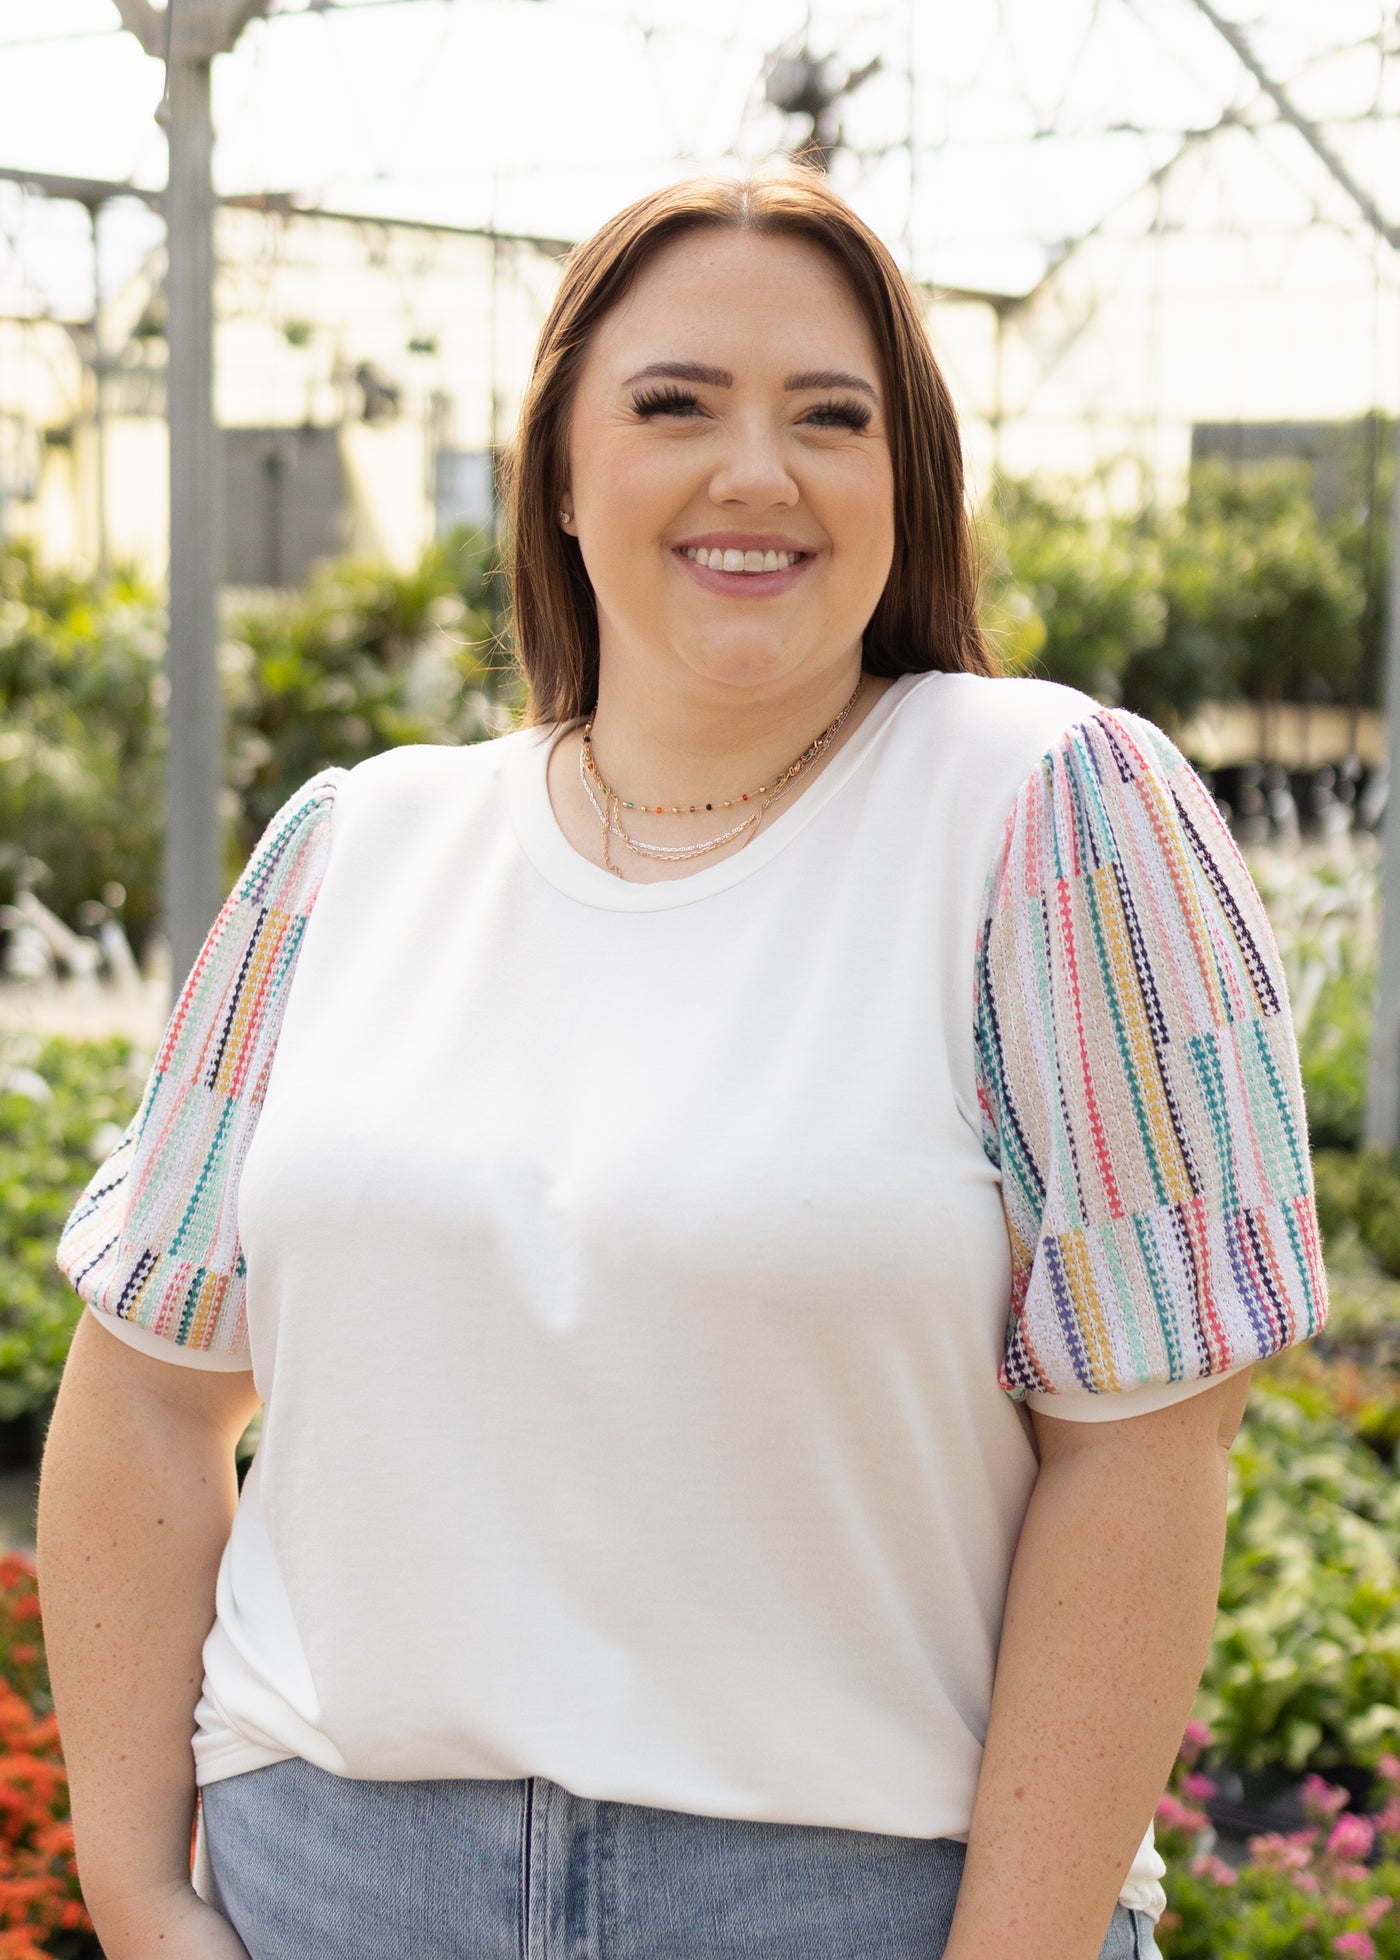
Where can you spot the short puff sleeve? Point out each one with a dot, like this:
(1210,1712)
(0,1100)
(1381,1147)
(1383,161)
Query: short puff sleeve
(152,1244)
(1138,1086)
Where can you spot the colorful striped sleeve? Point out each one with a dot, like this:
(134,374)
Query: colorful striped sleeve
(152,1244)
(1138,1086)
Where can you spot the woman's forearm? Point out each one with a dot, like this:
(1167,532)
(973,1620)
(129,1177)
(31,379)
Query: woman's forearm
(136,1497)
(1107,1629)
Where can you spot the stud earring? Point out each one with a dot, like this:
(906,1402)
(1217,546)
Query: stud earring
(565,516)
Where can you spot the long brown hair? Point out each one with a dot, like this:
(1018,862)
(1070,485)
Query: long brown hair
(927,614)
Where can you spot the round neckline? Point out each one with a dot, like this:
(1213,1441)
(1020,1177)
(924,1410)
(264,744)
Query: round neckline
(554,857)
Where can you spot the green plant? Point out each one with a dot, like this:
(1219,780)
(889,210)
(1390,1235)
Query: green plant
(1305,1667)
(1322,902)
(1241,591)
(1254,580)
(362,660)
(1358,1192)
(62,1107)
(1070,597)
(82,740)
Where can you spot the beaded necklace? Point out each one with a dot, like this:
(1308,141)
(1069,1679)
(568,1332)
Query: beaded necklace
(607,811)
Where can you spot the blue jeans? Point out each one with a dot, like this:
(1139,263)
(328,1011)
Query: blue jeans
(304,1863)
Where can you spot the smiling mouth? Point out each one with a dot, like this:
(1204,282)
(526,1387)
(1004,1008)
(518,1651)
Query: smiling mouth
(715,559)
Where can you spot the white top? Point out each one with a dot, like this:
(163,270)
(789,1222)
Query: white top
(626,1274)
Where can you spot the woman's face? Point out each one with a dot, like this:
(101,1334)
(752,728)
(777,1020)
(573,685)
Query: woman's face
(733,403)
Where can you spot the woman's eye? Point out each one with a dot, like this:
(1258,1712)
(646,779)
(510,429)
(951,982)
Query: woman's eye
(665,401)
(841,415)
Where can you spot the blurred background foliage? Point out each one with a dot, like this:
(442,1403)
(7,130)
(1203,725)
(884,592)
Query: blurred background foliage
(362,659)
(1243,592)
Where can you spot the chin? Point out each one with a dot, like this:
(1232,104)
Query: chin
(745,663)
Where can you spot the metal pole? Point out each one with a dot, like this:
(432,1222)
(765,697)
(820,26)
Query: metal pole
(194,882)
(1383,1085)
(99,390)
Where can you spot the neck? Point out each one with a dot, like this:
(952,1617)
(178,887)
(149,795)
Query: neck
(669,745)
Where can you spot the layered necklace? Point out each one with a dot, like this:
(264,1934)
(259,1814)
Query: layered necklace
(608,803)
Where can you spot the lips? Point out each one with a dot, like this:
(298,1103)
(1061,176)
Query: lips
(752,572)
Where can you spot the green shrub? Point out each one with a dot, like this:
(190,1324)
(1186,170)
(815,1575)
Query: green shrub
(362,660)
(1305,1668)
(82,740)
(1322,904)
(1334,1052)
(1336,1182)
(1240,592)
(1072,597)
(62,1107)
(1376,1207)
(1358,1193)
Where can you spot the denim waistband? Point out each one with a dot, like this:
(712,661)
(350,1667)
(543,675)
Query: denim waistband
(303,1862)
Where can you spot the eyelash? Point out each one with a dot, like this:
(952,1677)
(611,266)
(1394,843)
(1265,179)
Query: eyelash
(855,415)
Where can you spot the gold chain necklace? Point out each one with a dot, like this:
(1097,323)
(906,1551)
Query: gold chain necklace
(608,810)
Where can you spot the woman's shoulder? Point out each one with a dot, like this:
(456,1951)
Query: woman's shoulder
(990,730)
(416,778)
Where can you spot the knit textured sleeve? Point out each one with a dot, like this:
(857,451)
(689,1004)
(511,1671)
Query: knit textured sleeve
(152,1244)
(1138,1086)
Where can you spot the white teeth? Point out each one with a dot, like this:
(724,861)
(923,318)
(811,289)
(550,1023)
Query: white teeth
(732,560)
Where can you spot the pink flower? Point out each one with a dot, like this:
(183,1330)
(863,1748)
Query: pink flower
(1375,1910)
(1388,1769)
(1306,1882)
(1351,1838)
(1197,1787)
(1196,1738)
(1273,1853)
(1173,1815)
(1215,1869)
(1388,1823)
(1356,1946)
(1322,1800)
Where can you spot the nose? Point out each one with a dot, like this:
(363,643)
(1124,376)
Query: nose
(753,471)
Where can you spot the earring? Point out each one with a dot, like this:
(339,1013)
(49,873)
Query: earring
(565,516)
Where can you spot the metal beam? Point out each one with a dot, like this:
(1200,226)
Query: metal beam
(146,22)
(1234,35)
(82,190)
(1383,1080)
(286,204)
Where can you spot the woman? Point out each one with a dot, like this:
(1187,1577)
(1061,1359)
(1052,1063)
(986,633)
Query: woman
(750,1228)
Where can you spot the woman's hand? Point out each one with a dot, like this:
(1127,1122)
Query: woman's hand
(172,1922)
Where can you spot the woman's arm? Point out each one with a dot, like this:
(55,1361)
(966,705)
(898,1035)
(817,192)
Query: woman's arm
(1108,1625)
(136,1498)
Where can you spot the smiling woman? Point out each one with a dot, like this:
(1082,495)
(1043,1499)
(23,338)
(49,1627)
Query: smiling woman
(750,1202)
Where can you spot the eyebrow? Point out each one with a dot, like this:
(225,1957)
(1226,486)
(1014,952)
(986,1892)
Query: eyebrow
(717,377)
